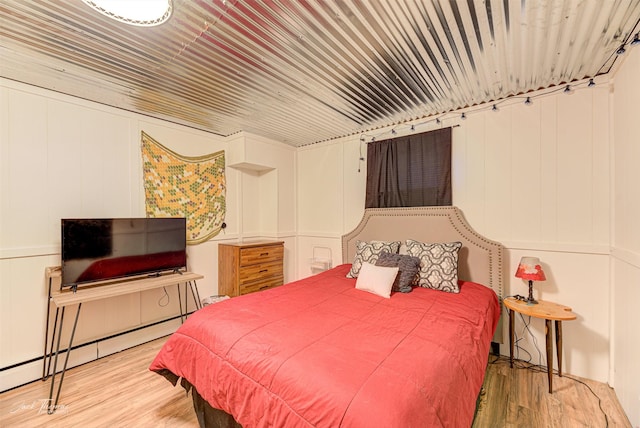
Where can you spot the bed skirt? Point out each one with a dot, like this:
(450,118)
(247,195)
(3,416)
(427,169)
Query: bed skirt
(210,417)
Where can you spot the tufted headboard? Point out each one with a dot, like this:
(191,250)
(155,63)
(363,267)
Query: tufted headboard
(480,259)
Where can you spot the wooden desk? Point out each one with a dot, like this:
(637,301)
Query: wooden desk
(548,311)
(64,298)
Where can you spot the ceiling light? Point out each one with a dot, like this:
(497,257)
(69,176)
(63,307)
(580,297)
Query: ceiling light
(591,83)
(528,101)
(636,40)
(495,108)
(621,50)
(144,13)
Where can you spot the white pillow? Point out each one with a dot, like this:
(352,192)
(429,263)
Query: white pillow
(376,279)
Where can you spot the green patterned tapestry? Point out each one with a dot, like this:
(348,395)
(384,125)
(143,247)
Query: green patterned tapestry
(181,186)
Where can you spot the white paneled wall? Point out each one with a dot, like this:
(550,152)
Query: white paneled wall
(267,171)
(320,190)
(63,157)
(24,167)
(519,182)
(535,178)
(626,236)
(578,280)
(626,337)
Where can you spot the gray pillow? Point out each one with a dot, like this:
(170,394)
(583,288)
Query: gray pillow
(369,252)
(438,264)
(408,268)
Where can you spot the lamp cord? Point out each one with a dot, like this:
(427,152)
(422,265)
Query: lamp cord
(524,365)
(539,368)
(163,297)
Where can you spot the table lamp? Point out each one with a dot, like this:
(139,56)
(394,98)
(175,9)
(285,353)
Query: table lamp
(530,269)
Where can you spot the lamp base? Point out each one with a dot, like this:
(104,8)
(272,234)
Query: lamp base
(530,300)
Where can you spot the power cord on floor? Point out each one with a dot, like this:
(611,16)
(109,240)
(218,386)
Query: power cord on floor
(524,365)
(606,418)
(539,368)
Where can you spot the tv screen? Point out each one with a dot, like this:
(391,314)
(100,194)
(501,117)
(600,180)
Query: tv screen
(103,249)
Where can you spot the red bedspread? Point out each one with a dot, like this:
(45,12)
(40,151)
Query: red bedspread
(318,352)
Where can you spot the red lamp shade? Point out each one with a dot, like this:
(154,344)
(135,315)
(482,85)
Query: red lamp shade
(529,268)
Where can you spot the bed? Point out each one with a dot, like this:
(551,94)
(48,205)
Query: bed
(323,352)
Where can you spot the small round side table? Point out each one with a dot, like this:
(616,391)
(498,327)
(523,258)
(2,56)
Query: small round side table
(548,311)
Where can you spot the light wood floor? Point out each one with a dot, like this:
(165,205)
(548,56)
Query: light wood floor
(120,391)
(519,397)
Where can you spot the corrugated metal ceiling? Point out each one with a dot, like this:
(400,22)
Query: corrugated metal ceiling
(307,71)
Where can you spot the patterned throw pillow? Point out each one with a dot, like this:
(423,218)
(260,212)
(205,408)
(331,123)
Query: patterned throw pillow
(408,266)
(369,252)
(438,264)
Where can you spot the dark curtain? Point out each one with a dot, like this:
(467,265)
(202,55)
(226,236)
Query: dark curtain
(410,171)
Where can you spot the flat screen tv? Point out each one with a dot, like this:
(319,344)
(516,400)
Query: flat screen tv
(102,249)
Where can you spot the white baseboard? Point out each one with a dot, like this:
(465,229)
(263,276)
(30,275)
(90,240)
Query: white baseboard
(32,371)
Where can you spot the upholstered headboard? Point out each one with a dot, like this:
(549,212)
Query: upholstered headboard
(480,259)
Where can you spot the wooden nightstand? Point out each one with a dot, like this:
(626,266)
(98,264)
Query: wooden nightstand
(548,311)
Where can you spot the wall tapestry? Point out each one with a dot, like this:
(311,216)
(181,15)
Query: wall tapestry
(181,186)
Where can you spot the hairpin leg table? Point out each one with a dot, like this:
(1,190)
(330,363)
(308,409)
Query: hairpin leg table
(64,298)
(548,311)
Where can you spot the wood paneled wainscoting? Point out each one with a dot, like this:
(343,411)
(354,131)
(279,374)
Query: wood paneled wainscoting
(119,390)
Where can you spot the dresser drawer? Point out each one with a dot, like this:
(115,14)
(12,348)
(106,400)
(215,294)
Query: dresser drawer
(261,285)
(246,267)
(259,272)
(252,255)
